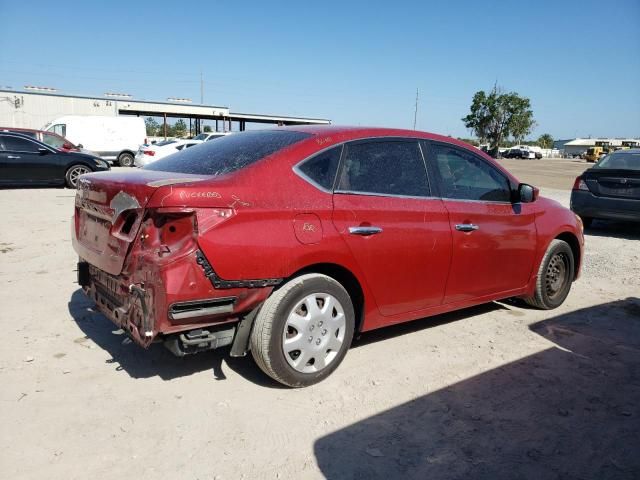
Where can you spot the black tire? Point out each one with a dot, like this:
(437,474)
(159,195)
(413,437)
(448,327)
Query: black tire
(126,160)
(73,172)
(268,332)
(555,275)
(586,221)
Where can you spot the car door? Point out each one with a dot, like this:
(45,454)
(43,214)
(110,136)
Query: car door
(25,163)
(396,231)
(494,240)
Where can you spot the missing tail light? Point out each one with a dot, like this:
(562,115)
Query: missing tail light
(171,231)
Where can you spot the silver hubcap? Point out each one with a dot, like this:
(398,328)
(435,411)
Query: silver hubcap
(76,172)
(314,333)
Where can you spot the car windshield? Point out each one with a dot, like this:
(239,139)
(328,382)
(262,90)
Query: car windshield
(228,154)
(202,136)
(620,161)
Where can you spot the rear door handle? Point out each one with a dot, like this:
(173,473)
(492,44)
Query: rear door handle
(364,231)
(13,157)
(466,227)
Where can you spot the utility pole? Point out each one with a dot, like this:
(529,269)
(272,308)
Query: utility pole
(201,89)
(415,113)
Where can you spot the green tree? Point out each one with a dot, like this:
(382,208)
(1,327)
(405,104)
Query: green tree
(496,116)
(545,140)
(180,128)
(152,126)
(207,129)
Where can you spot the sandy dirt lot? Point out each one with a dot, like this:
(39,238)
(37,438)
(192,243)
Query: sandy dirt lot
(497,391)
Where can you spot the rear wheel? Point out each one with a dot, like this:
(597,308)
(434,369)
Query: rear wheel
(303,330)
(126,160)
(73,173)
(555,276)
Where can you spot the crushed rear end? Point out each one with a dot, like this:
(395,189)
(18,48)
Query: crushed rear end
(140,261)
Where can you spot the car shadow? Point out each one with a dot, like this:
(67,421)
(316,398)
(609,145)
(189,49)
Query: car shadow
(610,228)
(156,360)
(570,411)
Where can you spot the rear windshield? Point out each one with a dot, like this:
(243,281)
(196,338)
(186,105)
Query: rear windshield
(228,154)
(621,161)
(165,142)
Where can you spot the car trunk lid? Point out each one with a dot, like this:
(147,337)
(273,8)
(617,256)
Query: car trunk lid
(109,208)
(613,183)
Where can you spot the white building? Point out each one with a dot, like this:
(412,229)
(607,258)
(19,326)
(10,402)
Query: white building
(27,109)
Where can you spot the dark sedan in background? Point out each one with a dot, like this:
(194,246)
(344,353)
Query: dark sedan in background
(25,161)
(610,189)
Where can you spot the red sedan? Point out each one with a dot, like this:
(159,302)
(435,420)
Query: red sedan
(287,242)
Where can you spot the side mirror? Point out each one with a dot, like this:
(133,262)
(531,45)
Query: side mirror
(80,145)
(43,151)
(527,193)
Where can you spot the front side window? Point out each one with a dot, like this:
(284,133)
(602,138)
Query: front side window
(229,154)
(464,176)
(322,168)
(15,144)
(384,167)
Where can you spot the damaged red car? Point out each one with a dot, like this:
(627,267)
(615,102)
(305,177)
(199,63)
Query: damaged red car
(288,242)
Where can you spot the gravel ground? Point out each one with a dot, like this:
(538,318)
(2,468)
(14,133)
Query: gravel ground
(497,391)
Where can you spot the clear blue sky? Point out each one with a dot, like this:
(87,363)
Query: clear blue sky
(353,62)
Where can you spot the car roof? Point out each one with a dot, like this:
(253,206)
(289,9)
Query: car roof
(355,132)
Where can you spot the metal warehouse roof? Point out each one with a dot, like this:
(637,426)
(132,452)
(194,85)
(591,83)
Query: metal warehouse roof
(589,142)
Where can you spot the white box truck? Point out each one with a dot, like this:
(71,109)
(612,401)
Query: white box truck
(116,139)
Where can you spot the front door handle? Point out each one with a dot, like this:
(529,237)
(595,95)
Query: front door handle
(466,227)
(13,157)
(364,231)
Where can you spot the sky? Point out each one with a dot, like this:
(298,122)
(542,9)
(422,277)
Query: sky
(354,62)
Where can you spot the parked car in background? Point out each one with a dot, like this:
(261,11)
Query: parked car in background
(516,152)
(207,136)
(25,161)
(116,139)
(52,139)
(288,242)
(610,189)
(150,153)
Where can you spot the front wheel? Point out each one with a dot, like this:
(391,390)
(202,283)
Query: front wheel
(555,276)
(303,330)
(126,160)
(73,173)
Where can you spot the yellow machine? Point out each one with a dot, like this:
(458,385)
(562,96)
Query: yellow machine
(593,154)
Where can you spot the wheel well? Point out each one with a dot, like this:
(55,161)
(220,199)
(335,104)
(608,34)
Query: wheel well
(347,280)
(571,239)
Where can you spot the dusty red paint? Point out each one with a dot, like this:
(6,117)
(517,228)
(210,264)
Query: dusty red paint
(266,222)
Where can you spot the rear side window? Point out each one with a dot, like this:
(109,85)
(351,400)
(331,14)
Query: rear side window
(15,144)
(466,177)
(322,168)
(385,167)
(228,154)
